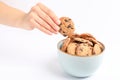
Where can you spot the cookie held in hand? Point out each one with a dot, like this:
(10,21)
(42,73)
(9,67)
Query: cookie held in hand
(66,26)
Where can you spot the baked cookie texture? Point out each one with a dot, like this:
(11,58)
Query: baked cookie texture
(83,44)
(66,26)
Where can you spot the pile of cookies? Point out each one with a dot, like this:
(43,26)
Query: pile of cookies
(78,44)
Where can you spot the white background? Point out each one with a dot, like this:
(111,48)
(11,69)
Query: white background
(32,55)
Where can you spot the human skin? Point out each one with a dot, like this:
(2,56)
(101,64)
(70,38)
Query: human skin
(39,16)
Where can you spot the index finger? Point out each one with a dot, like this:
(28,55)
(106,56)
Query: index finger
(50,13)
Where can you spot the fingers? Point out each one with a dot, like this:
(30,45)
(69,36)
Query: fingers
(44,19)
(49,12)
(44,24)
(40,27)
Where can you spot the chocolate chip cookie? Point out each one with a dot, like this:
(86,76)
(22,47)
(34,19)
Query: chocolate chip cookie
(82,45)
(66,26)
(71,48)
(65,44)
(84,50)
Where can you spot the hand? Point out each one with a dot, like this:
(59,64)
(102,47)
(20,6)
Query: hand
(42,18)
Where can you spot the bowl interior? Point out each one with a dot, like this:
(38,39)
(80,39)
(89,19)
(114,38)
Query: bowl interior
(59,45)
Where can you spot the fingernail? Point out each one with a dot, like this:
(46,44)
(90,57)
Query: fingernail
(57,27)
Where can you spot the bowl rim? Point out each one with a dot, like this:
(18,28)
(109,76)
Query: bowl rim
(61,41)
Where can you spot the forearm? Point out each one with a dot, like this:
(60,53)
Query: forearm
(39,17)
(10,16)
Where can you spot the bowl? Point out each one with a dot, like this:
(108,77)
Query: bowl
(79,66)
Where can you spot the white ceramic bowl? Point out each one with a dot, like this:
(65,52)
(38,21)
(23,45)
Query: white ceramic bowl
(79,66)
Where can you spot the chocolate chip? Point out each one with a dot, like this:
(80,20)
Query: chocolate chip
(60,24)
(63,32)
(69,26)
(64,35)
(60,30)
(67,20)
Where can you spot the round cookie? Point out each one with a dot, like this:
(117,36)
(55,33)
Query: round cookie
(75,35)
(97,49)
(81,40)
(101,45)
(84,50)
(94,41)
(71,49)
(66,26)
(86,35)
(65,44)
